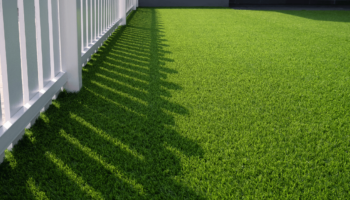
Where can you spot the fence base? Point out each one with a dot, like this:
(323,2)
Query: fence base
(19,137)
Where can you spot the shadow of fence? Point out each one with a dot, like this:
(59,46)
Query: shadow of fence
(116,138)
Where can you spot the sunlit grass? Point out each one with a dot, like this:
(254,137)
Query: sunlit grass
(35,190)
(199,104)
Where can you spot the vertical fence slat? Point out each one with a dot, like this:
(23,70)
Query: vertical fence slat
(91,22)
(42,22)
(93,17)
(84,29)
(98,18)
(10,58)
(116,10)
(112,13)
(109,13)
(86,9)
(28,48)
(105,15)
(38,45)
(113,9)
(23,50)
(95,20)
(45,41)
(82,26)
(88,22)
(52,60)
(102,16)
(56,37)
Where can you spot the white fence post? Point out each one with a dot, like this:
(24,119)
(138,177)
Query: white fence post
(71,43)
(122,12)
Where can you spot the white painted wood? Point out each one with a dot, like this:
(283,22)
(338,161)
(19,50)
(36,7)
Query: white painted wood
(117,10)
(114,19)
(18,138)
(84,27)
(87,26)
(56,38)
(46,106)
(32,122)
(52,60)
(109,13)
(122,11)
(116,16)
(94,47)
(88,21)
(70,43)
(28,48)
(10,58)
(95,19)
(112,11)
(38,45)
(99,18)
(12,129)
(102,15)
(91,21)
(45,41)
(23,49)
(105,16)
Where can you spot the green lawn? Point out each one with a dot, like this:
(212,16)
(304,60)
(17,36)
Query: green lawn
(199,104)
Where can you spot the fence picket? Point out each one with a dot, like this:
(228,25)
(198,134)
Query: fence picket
(95,20)
(91,10)
(28,43)
(10,58)
(104,15)
(83,25)
(44,51)
(88,20)
(108,13)
(56,38)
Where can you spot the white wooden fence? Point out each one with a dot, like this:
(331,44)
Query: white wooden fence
(43,46)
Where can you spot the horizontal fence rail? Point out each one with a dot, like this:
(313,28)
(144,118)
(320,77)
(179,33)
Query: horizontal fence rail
(42,50)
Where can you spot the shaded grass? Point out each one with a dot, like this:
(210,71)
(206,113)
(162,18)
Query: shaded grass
(199,104)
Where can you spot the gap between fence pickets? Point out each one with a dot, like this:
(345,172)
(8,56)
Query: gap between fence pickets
(22,119)
(92,49)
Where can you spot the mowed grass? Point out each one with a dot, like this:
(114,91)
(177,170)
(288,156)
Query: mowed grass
(199,104)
